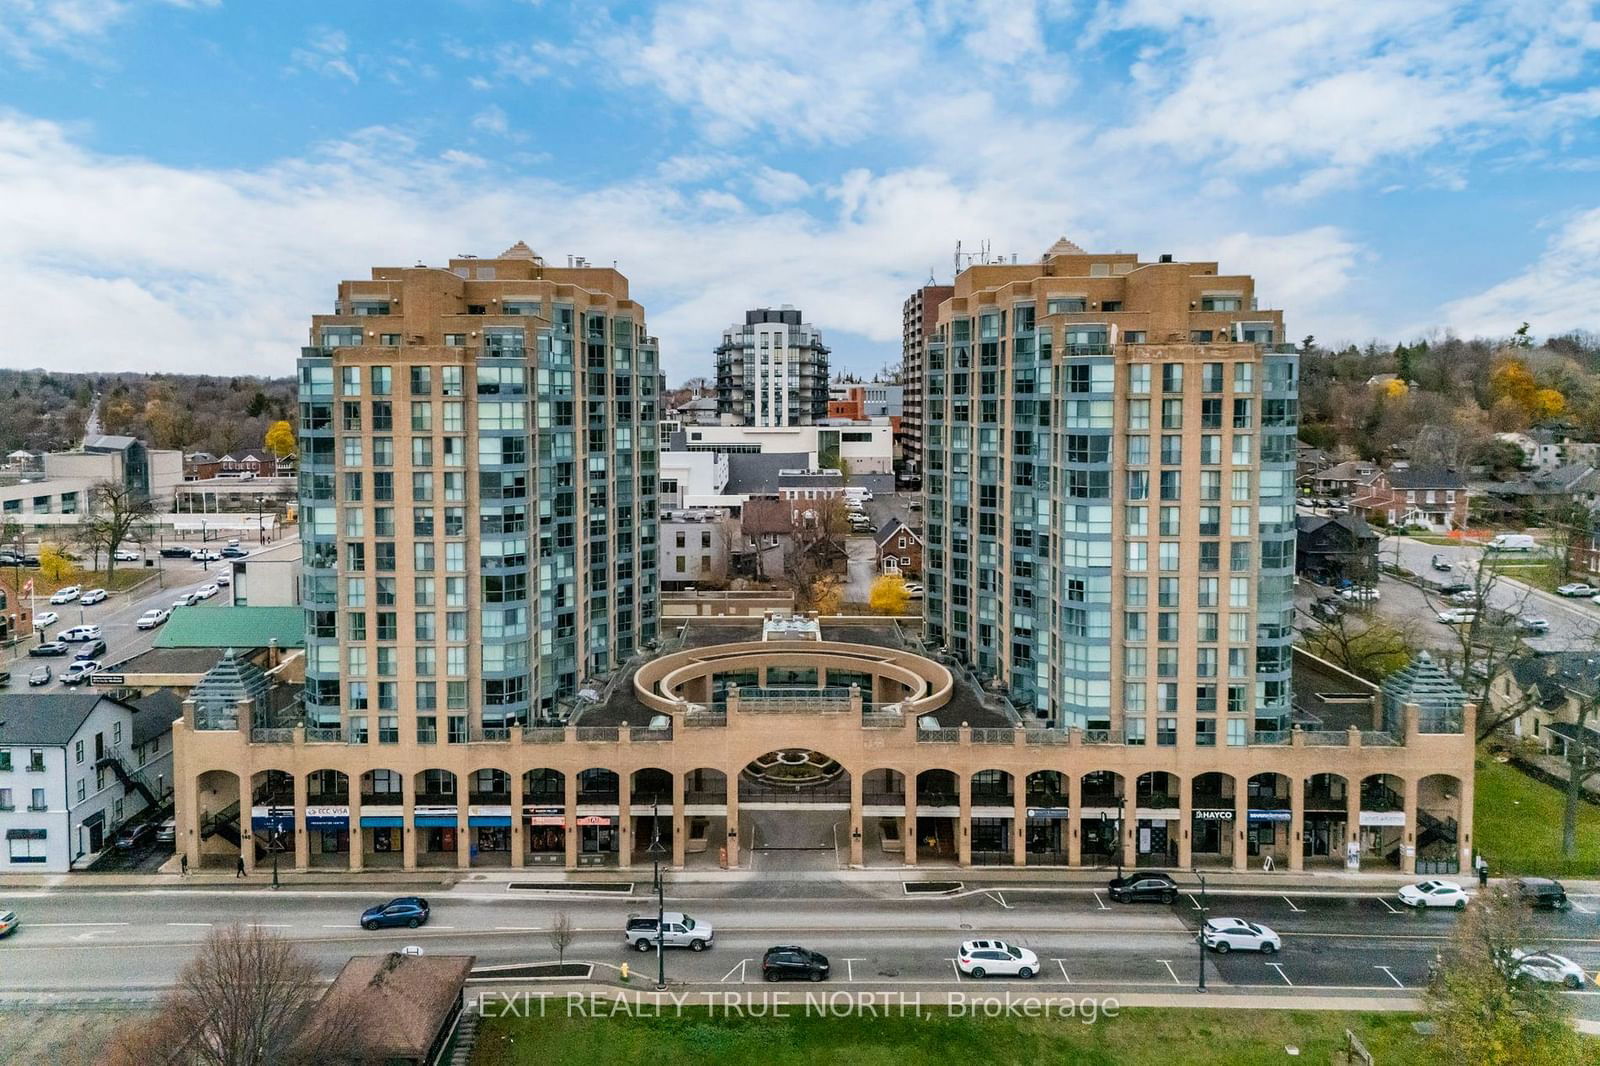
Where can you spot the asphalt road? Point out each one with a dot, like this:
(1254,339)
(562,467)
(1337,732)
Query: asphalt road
(76,943)
(116,616)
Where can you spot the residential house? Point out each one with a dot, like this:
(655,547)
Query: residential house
(70,774)
(1545,491)
(390,1010)
(1332,550)
(1342,480)
(696,546)
(1549,690)
(806,490)
(256,464)
(899,549)
(1434,499)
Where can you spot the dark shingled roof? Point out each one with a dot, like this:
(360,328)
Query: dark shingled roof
(46,719)
(1425,478)
(154,714)
(750,473)
(389,1006)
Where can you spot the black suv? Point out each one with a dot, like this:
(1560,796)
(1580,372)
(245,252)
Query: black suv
(1143,888)
(794,964)
(175,551)
(1541,893)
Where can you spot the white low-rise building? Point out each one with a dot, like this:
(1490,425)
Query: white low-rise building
(74,766)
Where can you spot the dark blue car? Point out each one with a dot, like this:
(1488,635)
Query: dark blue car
(409,911)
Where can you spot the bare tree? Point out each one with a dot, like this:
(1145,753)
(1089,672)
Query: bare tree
(561,935)
(1367,647)
(1485,643)
(243,1000)
(115,511)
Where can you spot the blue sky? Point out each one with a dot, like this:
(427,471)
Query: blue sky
(182,182)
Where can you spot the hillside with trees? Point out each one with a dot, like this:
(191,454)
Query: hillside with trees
(46,411)
(1444,399)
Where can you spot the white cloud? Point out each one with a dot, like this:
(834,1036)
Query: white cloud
(778,186)
(492,119)
(31,28)
(1557,292)
(325,52)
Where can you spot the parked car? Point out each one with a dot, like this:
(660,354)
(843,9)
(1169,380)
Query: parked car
(1439,562)
(66,595)
(45,619)
(92,650)
(794,964)
(1143,888)
(204,555)
(126,555)
(233,551)
(133,836)
(984,958)
(1464,598)
(1360,594)
(187,599)
(409,911)
(51,647)
(81,633)
(1533,624)
(914,589)
(1223,935)
(206,591)
(153,617)
(80,671)
(1547,968)
(1511,542)
(92,597)
(176,551)
(1434,894)
(680,931)
(9,922)
(1451,588)
(1458,616)
(40,675)
(167,831)
(1576,589)
(222,580)
(1541,893)
(1327,607)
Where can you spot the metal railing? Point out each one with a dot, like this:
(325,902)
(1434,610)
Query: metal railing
(544,734)
(938,736)
(323,734)
(1005,735)
(271,736)
(1379,738)
(1329,738)
(638,733)
(1045,736)
(1270,736)
(706,720)
(598,733)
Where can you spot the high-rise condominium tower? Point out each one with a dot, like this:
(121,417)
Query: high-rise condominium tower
(478,494)
(918,317)
(772,370)
(1109,483)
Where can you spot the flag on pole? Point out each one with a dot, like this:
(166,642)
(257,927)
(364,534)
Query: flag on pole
(27,589)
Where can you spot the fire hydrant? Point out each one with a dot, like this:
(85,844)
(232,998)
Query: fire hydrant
(623,971)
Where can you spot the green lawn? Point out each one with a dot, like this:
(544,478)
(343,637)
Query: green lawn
(1546,574)
(1133,1038)
(1518,825)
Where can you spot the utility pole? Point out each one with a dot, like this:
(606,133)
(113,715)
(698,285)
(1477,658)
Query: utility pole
(656,850)
(1200,933)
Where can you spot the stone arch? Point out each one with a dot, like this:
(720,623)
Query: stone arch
(1438,823)
(1325,828)
(382,830)
(1383,821)
(216,833)
(1269,832)
(436,818)
(327,819)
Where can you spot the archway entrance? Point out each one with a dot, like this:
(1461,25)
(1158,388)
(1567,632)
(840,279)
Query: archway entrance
(794,811)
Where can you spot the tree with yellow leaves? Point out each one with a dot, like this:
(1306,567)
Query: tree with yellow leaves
(55,566)
(280,439)
(889,595)
(825,595)
(1393,390)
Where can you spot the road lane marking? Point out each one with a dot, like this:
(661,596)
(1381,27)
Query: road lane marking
(1100,901)
(193,925)
(1386,903)
(69,925)
(1194,901)
(1063,964)
(1392,977)
(1170,970)
(1281,974)
(998,898)
(850,968)
(1579,907)
(739,969)
(514,928)
(1290,902)
(956,968)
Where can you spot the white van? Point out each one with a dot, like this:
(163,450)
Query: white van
(856,492)
(1512,542)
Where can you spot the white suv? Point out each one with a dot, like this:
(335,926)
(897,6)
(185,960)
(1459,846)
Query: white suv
(984,958)
(1223,935)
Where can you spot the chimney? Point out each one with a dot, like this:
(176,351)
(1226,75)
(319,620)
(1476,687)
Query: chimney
(1166,257)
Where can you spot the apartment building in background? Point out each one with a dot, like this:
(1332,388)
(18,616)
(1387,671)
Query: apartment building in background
(772,370)
(477,495)
(919,315)
(1109,484)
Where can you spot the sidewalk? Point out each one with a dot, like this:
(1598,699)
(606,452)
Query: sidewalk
(1331,881)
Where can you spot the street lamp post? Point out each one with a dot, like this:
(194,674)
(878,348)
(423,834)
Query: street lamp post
(1199,934)
(656,850)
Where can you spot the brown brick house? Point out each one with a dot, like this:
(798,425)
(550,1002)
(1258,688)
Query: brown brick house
(1433,498)
(899,549)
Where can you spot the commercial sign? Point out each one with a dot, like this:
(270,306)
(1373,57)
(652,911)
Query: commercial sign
(1217,815)
(1049,812)
(1383,817)
(544,816)
(502,810)
(270,818)
(106,679)
(325,817)
(1271,816)
(433,811)
(595,819)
